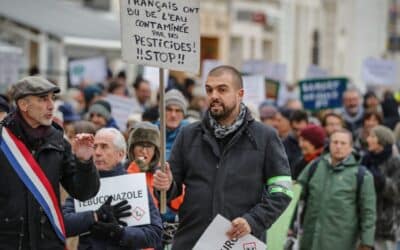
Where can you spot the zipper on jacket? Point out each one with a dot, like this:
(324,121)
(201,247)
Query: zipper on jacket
(42,221)
(21,234)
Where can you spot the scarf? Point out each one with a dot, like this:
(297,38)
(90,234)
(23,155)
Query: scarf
(33,137)
(312,156)
(355,118)
(221,131)
(372,159)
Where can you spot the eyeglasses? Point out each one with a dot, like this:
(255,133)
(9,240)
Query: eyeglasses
(145,145)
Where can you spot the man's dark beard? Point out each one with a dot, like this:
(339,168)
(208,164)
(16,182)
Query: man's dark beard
(221,115)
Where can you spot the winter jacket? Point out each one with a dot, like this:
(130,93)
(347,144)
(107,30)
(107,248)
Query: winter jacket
(292,148)
(388,201)
(23,223)
(171,136)
(334,219)
(133,237)
(174,204)
(248,178)
(112,123)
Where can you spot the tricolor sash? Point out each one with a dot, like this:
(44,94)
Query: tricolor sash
(33,177)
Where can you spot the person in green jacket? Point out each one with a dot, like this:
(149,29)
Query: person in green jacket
(336,215)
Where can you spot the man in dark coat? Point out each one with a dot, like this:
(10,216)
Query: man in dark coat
(100,229)
(230,165)
(25,222)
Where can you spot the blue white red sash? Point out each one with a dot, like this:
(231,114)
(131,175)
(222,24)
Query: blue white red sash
(33,177)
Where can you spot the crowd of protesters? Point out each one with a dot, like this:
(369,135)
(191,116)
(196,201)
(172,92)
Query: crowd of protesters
(346,159)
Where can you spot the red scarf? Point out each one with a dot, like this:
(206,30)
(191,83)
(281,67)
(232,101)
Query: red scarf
(312,156)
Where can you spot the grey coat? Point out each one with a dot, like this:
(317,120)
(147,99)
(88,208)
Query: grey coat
(230,180)
(388,201)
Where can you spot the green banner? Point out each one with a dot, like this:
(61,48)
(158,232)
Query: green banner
(277,234)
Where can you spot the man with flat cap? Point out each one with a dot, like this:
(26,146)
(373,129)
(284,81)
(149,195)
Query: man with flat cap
(35,158)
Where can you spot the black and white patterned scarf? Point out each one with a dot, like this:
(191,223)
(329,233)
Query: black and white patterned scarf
(221,131)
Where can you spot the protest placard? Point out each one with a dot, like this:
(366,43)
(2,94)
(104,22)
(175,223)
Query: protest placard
(152,74)
(122,107)
(255,67)
(275,71)
(10,64)
(272,89)
(130,187)
(163,34)
(322,93)
(314,71)
(92,70)
(215,238)
(254,90)
(377,71)
(208,65)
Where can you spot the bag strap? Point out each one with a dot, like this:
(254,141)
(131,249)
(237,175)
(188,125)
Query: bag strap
(310,174)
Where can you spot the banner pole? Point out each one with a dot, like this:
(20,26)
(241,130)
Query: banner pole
(163,194)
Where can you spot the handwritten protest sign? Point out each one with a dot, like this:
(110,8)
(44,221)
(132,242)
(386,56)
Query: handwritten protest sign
(130,187)
(322,93)
(215,238)
(163,34)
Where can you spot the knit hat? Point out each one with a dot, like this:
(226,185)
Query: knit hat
(145,132)
(385,135)
(174,96)
(314,134)
(69,114)
(101,107)
(91,91)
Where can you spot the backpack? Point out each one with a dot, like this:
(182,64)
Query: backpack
(360,179)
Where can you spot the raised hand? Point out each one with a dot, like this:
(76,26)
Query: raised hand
(83,146)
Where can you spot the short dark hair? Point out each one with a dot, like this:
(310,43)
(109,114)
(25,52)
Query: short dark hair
(139,80)
(237,77)
(298,116)
(343,131)
(332,114)
(372,113)
(84,127)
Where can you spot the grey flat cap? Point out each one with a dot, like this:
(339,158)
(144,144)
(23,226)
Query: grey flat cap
(33,85)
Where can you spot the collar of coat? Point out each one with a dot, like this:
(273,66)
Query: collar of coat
(350,161)
(208,130)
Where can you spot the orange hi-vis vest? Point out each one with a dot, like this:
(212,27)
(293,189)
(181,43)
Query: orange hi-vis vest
(174,204)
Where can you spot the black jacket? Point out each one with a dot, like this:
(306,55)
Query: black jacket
(133,237)
(23,223)
(231,182)
(292,149)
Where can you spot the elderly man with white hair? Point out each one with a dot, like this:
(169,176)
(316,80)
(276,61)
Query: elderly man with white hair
(104,225)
